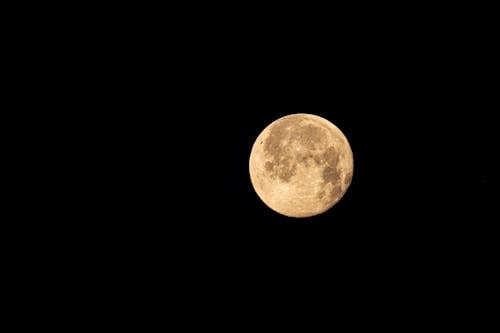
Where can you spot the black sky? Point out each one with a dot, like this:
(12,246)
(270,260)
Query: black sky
(142,157)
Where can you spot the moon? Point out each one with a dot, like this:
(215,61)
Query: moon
(301,165)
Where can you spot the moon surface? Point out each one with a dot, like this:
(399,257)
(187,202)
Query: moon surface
(301,165)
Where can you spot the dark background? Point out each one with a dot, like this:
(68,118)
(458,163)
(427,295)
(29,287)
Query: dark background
(140,155)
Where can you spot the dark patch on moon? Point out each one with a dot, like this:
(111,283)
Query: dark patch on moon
(309,136)
(336,192)
(277,146)
(277,133)
(330,175)
(308,159)
(330,172)
(287,169)
(318,159)
(331,156)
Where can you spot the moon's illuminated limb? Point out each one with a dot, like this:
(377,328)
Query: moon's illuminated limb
(301,165)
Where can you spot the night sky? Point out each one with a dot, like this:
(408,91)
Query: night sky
(417,180)
(140,163)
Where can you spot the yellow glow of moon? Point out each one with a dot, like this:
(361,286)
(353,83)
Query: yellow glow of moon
(301,165)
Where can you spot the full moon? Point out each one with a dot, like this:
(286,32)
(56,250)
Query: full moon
(301,165)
